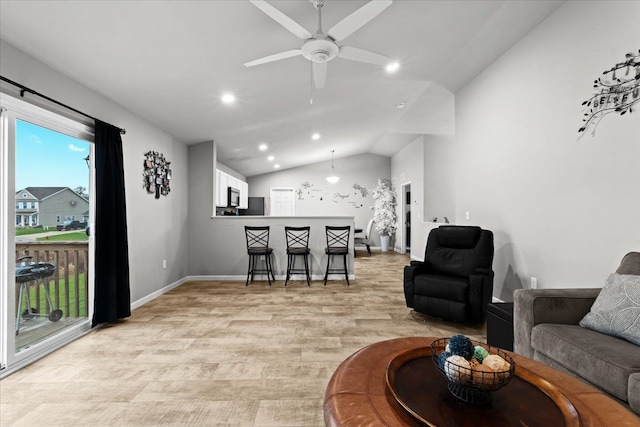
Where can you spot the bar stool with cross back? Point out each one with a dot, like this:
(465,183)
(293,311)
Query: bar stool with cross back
(297,245)
(337,244)
(257,246)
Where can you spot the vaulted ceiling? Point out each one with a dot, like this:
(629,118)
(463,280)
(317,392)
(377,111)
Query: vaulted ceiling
(170,61)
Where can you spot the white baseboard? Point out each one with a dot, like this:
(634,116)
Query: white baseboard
(157,293)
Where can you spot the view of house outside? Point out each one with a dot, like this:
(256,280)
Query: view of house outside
(45,158)
(52,181)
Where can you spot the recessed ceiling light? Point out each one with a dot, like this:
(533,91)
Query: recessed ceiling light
(401,105)
(262,147)
(270,158)
(228,98)
(315,136)
(392,67)
(276,166)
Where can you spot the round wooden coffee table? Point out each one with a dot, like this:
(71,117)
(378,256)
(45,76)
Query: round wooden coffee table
(358,393)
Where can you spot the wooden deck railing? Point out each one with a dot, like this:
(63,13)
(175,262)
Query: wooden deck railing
(68,285)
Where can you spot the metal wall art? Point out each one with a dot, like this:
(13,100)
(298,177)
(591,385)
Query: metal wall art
(156,174)
(616,92)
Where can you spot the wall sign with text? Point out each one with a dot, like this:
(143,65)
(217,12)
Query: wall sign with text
(617,91)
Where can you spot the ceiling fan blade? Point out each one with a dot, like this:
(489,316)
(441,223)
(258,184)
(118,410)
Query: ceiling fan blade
(282,19)
(274,57)
(357,19)
(319,74)
(361,55)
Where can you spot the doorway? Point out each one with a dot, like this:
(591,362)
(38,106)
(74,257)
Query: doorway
(282,202)
(405,200)
(46,287)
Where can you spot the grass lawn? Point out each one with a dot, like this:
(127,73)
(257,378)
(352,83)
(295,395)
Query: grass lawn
(68,311)
(25,231)
(78,236)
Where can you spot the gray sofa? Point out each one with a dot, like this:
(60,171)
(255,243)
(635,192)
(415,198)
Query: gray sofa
(546,329)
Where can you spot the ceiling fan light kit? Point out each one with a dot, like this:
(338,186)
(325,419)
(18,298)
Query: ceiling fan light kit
(322,47)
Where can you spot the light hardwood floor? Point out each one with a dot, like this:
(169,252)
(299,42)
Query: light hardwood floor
(220,353)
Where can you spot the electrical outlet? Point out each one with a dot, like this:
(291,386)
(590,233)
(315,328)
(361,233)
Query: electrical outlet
(164,264)
(467,215)
(534,283)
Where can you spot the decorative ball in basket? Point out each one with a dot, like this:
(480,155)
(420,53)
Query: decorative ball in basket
(472,369)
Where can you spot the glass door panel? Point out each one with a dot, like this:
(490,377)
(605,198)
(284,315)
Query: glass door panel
(51,245)
(46,288)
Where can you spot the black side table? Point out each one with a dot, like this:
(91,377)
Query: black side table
(500,325)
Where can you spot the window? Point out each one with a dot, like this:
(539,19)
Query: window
(24,195)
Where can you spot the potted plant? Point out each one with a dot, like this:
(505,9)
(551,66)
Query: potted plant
(384,211)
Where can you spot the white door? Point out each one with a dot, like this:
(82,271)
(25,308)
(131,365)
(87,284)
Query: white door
(282,202)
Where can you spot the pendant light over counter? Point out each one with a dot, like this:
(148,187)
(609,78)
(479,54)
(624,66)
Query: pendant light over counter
(333,178)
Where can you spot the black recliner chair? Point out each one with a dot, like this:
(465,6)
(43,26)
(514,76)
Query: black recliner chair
(455,281)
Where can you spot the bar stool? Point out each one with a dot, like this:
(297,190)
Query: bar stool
(258,245)
(297,245)
(337,244)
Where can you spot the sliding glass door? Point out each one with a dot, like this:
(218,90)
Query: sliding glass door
(47,206)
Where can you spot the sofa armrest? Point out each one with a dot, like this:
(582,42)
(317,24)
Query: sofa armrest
(534,306)
(410,272)
(480,293)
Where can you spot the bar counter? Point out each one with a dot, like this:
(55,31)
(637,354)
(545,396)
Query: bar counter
(222,253)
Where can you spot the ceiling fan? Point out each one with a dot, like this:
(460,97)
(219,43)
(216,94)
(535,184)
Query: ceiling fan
(321,47)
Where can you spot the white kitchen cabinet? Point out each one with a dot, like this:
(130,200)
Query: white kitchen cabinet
(233,182)
(244,195)
(223,183)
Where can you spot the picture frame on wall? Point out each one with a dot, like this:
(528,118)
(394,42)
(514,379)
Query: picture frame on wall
(156,174)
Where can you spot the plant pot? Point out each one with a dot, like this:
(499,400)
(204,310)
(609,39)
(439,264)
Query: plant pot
(384,243)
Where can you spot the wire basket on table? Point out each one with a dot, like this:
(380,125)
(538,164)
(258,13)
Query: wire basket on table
(472,384)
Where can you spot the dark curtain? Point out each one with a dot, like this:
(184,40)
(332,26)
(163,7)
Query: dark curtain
(112,295)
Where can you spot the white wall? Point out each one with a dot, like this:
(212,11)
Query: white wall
(439,178)
(321,198)
(407,166)
(563,209)
(157,228)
